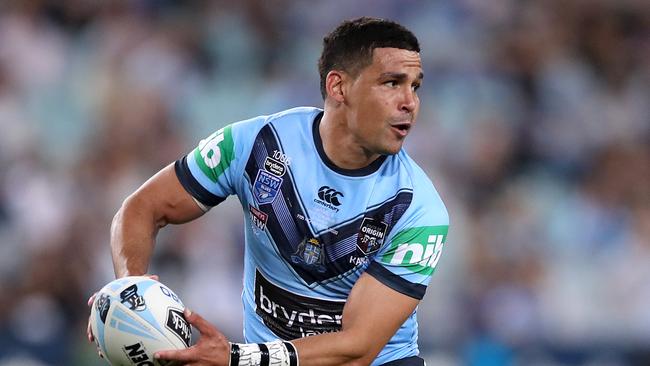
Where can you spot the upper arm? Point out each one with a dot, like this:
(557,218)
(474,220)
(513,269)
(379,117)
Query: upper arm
(204,177)
(161,200)
(371,316)
(374,312)
(215,169)
(164,196)
(392,286)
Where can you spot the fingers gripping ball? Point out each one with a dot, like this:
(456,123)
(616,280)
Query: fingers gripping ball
(133,317)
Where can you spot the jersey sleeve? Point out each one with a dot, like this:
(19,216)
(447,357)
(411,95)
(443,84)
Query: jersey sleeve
(410,255)
(214,169)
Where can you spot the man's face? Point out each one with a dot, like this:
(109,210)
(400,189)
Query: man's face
(382,102)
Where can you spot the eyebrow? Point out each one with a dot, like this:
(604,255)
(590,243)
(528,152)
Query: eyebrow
(398,75)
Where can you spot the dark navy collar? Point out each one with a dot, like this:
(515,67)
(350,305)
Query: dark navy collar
(367,170)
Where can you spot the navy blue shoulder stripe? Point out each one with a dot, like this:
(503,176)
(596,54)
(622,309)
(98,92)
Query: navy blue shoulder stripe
(193,187)
(397,283)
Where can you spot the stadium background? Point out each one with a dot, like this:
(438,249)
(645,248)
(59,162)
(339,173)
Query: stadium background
(534,126)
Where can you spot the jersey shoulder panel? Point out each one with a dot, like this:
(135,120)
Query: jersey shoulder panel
(426,199)
(408,258)
(214,169)
(295,114)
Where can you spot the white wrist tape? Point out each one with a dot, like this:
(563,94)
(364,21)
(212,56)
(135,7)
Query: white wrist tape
(276,353)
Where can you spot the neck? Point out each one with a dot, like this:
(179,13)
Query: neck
(340,146)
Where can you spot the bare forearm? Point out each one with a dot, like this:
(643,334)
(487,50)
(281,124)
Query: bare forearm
(133,233)
(366,329)
(334,349)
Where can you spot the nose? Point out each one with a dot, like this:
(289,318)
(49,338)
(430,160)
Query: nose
(409,101)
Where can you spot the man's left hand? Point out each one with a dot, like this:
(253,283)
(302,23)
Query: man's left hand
(212,349)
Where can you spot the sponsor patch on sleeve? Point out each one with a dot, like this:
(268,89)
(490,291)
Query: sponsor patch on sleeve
(215,153)
(417,249)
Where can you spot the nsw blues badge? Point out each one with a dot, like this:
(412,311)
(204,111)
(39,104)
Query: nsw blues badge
(266,187)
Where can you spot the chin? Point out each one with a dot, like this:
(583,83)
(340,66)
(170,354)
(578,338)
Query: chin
(391,150)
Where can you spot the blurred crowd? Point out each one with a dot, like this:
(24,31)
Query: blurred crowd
(534,126)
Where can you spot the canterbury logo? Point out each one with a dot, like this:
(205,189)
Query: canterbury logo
(330,195)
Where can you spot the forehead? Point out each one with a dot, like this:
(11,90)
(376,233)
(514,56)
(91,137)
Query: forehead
(396,59)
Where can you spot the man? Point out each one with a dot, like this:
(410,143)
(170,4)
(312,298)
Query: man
(343,229)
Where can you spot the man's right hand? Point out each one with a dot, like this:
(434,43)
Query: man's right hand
(91,300)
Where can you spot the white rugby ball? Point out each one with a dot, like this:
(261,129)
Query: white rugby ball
(133,317)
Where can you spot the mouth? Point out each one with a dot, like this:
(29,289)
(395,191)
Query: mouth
(401,128)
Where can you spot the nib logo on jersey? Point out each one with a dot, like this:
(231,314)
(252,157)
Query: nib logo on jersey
(329,197)
(292,316)
(417,249)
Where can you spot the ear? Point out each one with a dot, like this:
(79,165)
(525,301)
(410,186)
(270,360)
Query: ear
(334,85)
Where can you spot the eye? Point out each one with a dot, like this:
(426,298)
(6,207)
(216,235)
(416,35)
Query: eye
(415,87)
(391,83)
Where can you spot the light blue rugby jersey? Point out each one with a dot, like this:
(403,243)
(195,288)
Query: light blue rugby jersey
(312,228)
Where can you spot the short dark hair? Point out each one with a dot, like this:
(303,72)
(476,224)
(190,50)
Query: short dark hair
(349,47)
